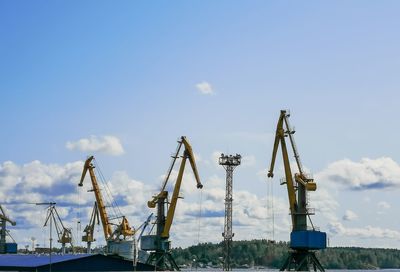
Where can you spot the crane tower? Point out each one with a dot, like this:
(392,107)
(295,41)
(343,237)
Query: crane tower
(159,244)
(304,241)
(229,163)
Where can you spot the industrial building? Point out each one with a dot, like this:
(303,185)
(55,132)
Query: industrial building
(61,263)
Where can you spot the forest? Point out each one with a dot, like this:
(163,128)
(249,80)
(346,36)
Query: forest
(263,253)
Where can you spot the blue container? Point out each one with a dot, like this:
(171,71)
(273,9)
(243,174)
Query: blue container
(11,248)
(308,239)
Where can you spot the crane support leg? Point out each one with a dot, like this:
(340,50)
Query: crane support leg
(88,248)
(299,260)
(163,261)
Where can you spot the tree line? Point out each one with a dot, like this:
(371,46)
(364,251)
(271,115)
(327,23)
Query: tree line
(272,254)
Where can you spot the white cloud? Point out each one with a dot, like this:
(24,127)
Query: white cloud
(337,228)
(39,182)
(324,202)
(215,181)
(249,213)
(215,158)
(35,176)
(106,144)
(262,175)
(367,199)
(384,205)
(30,183)
(205,88)
(24,185)
(367,174)
(349,215)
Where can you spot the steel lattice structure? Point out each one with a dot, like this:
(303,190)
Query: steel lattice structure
(229,163)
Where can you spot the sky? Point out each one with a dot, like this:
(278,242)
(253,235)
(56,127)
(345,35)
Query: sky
(124,80)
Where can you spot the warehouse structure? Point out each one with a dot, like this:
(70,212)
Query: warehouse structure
(67,263)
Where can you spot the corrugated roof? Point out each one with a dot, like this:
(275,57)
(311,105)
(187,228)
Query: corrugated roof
(31,260)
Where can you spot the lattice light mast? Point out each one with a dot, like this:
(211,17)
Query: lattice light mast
(229,162)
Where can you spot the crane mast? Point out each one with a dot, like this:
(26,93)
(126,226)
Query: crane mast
(99,199)
(301,183)
(158,244)
(303,241)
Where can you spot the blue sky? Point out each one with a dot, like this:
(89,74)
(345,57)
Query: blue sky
(74,70)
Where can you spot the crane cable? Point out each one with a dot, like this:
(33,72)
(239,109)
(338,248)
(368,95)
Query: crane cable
(79,219)
(110,200)
(270,209)
(199,216)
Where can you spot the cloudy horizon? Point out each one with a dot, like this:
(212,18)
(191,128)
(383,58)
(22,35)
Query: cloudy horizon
(123,81)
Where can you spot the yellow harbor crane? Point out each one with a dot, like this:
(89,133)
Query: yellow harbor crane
(303,241)
(115,245)
(64,234)
(159,244)
(89,229)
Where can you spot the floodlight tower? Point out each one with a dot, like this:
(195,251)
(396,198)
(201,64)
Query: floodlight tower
(229,163)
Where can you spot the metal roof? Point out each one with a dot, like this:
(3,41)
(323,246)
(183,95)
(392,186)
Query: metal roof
(31,260)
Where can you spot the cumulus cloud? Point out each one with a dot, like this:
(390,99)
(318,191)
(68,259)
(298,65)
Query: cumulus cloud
(367,174)
(349,215)
(384,205)
(34,182)
(35,176)
(324,202)
(337,228)
(205,88)
(249,213)
(105,144)
(30,183)
(199,209)
(215,158)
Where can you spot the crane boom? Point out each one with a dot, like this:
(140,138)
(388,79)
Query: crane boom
(280,138)
(159,243)
(3,216)
(188,154)
(99,199)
